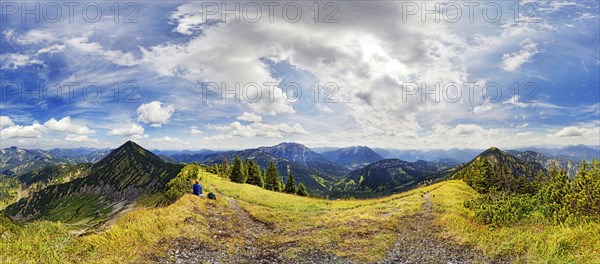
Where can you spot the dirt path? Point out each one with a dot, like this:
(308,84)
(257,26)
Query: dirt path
(236,235)
(249,237)
(243,240)
(419,242)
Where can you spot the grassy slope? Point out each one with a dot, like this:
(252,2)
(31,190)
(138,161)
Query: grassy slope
(361,230)
(533,240)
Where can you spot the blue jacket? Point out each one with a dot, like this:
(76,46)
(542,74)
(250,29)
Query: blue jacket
(197,188)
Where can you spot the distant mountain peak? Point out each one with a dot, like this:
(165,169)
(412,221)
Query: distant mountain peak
(290,145)
(493,151)
(131,147)
(500,161)
(117,180)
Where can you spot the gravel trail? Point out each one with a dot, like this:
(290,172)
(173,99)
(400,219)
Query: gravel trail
(418,242)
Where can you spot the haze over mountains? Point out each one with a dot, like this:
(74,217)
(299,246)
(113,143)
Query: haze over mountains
(351,171)
(353,157)
(15,160)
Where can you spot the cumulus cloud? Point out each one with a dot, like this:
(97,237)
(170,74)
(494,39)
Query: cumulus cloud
(257,129)
(66,125)
(16,131)
(155,113)
(513,61)
(375,64)
(80,138)
(573,131)
(468,129)
(128,130)
(5,121)
(167,140)
(249,117)
(461,130)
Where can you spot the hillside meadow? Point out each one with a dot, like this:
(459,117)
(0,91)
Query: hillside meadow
(357,230)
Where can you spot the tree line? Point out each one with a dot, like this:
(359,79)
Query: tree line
(251,173)
(508,198)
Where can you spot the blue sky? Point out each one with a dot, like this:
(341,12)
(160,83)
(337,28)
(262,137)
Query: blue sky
(375,65)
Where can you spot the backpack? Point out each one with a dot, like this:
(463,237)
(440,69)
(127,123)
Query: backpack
(211,196)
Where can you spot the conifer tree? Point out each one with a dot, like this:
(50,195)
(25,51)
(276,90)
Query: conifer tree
(216,169)
(237,172)
(290,186)
(553,194)
(225,168)
(272,181)
(302,190)
(479,175)
(583,201)
(254,174)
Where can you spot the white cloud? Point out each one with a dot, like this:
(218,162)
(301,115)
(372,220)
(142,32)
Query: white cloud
(573,131)
(65,125)
(482,108)
(80,138)
(167,140)
(15,131)
(12,61)
(249,117)
(468,129)
(128,130)
(513,61)
(35,36)
(154,113)
(516,101)
(257,129)
(117,57)
(5,121)
(51,49)
(522,134)
(194,130)
(224,64)
(461,130)
(324,109)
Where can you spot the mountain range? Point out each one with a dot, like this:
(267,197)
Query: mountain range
(334,172)
(353,157)
(112,184)
(390,176)
(16,161)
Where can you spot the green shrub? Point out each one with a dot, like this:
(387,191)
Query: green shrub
(182,183)
(502,208)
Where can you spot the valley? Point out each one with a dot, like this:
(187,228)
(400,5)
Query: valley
(414,212)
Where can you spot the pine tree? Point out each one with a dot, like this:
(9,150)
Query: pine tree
(237,172)
(225,168)
(583,201)
(479,175)
(216,169)
(539,181)
(254,174)
(302,190)
(553,194)
(290,186)
(272,181)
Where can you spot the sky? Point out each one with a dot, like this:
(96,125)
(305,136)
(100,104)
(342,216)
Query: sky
(235,75)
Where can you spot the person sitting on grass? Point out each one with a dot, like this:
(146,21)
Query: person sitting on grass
(197,188)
